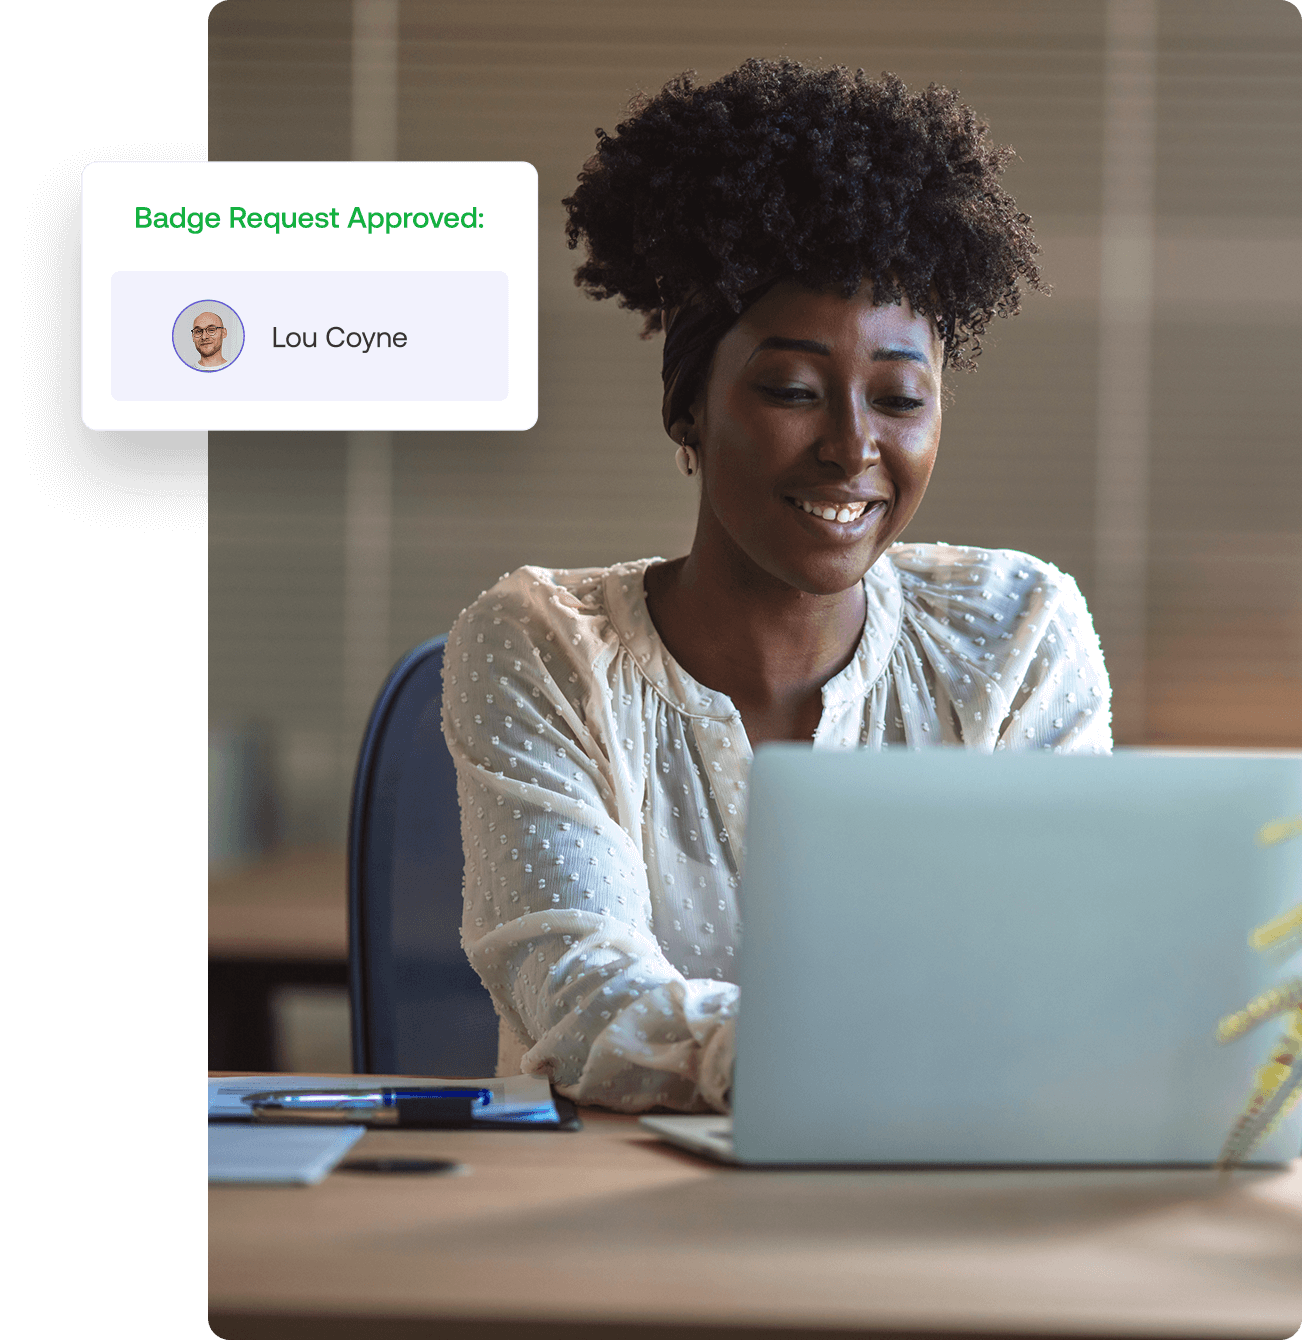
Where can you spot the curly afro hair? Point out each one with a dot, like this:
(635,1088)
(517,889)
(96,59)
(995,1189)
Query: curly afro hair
(709,192)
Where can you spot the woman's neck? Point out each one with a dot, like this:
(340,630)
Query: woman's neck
(769,647)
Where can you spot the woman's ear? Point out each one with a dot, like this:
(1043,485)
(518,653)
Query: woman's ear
(683,430)
(689,425)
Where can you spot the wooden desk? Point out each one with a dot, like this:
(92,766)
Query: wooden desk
(606,1232)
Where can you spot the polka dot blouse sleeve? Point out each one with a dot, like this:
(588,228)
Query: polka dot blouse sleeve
(558,916)
(1062,702)
(1002,647)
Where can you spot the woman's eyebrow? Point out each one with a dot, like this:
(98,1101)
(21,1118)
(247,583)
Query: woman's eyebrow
(900,356)
(788,345)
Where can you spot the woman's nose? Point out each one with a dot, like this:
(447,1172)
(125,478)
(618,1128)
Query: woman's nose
(850,443)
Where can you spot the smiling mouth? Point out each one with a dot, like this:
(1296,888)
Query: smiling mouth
(840,513)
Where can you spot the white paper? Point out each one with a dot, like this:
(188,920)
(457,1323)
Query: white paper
(294,1155)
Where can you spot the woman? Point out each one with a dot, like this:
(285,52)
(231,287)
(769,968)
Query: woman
(818,248)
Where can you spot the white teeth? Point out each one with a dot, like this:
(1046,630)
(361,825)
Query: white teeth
(831,513)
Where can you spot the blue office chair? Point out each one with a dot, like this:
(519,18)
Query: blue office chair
(418,1007)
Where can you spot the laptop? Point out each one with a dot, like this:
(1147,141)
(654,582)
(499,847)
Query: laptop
(954,959)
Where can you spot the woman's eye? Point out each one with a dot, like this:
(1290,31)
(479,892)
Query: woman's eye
(901,402)
(789,394)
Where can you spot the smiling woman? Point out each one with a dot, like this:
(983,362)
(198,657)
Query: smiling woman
(818,248)
(816,431)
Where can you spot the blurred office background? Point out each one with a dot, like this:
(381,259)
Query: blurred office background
(1139,428)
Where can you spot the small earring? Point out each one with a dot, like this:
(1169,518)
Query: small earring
(687,459)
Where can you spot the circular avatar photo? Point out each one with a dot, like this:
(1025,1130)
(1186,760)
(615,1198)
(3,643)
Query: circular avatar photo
(208,336)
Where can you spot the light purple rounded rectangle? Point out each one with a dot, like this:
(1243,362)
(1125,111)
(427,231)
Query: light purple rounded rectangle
(309,335)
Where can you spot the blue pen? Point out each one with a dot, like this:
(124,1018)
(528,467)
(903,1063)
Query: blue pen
(370,1107)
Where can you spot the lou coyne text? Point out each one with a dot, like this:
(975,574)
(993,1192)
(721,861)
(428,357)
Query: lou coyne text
(339,338)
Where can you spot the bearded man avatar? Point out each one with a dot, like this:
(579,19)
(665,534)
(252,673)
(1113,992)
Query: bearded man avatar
(208,334)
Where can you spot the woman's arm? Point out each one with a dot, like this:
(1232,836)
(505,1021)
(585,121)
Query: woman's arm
(558,916)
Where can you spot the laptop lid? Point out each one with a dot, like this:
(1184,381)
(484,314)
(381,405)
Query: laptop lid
(954,958)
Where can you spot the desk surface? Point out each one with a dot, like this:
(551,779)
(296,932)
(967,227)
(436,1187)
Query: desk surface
(608,1231)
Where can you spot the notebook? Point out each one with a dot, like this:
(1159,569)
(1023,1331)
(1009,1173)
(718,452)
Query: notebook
(958,959)
(242,1150)
(517,1100)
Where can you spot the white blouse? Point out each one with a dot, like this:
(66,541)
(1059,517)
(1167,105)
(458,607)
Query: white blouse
(603,791)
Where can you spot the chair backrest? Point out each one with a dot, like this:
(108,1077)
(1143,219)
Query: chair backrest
(418,1008)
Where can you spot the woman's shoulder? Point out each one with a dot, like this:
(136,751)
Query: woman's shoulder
(968,574)
(941,562)
(992,598)
(534,606)
(532,594)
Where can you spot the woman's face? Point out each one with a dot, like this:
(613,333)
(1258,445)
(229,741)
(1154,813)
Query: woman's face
(818,402)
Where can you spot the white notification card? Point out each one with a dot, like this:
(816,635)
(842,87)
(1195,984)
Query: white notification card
(309,296)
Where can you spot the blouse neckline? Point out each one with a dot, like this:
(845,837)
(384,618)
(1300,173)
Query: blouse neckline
(625,599)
